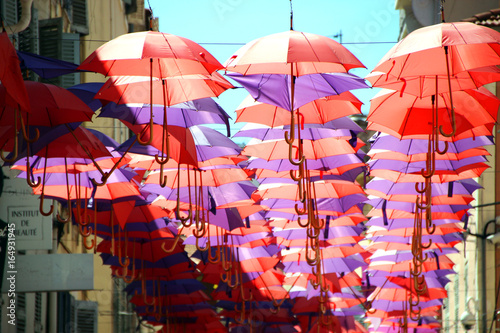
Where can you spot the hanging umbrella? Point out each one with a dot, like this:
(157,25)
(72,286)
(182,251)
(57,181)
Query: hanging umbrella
(11,76)
(167,91)
(410,115)
(299,52)
(132,53)
(464,45)
(319,111)
(275,89)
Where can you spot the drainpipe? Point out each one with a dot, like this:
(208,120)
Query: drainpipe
(23,22)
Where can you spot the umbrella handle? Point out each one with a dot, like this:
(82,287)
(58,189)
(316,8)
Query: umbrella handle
(147,142)
(163,178)
(42,196)
(240,318)
(299,177)
(445,149)
(418,203)
(425,185)
(198,247)
(368,307)
(68,218)
(163,245)
(14,157)
(298,153)
(91,246)
(417,314)
(31,183)
(25,132)
(329,321)
(104,179)
(429,226)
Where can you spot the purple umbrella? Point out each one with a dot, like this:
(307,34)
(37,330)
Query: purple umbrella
(275,88)
(177,116)
(459,187)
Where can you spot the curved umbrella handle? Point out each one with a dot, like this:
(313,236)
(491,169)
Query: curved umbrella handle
(163,245)
(301,211)
(87,246)
(42,196)
(147,142)
(163,178)
(299,177)
(240,318)
(445,149)
(25,132)
(198,247)
(420,205)
(68,218)
(424,188)
(15,152)
(104,179)
(297,154)
(452,108)
(329,321)
(31,183)
(415,316)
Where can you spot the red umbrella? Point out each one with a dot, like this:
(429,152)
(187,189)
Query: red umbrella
(168,91)
(318,111)
(10,74)
(409,115)
(427,50)
(132,54)
(293,52)
(312,149)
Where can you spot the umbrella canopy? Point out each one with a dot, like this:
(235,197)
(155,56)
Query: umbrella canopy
(275,89)
(132,54)
(409,115)
(10,74)
(319,111)
(292,51)
(165,91)
(422,52)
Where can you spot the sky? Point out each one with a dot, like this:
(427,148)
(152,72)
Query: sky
(369,28)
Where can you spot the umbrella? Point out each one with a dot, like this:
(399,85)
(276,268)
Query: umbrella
(172,90)
(275,89)
(410,115)
(292,52)
(11,76)
(319,111)
(132,54)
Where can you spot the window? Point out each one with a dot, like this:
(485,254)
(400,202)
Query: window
(58,45)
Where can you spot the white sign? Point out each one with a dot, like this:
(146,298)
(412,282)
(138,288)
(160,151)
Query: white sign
(18,205)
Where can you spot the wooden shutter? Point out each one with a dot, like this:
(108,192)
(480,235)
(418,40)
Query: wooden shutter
(80,17)
(8,10)
(21,312)
(38,322)
(70,51)
(58,45)
(85,317)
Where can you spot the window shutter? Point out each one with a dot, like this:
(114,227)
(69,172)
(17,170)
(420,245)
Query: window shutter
(70,51)
(29,42)
(21,312)
(9,11)
(38,324)
(58,45)
(28,39)
(80,17)
(50,32)
(86,316)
